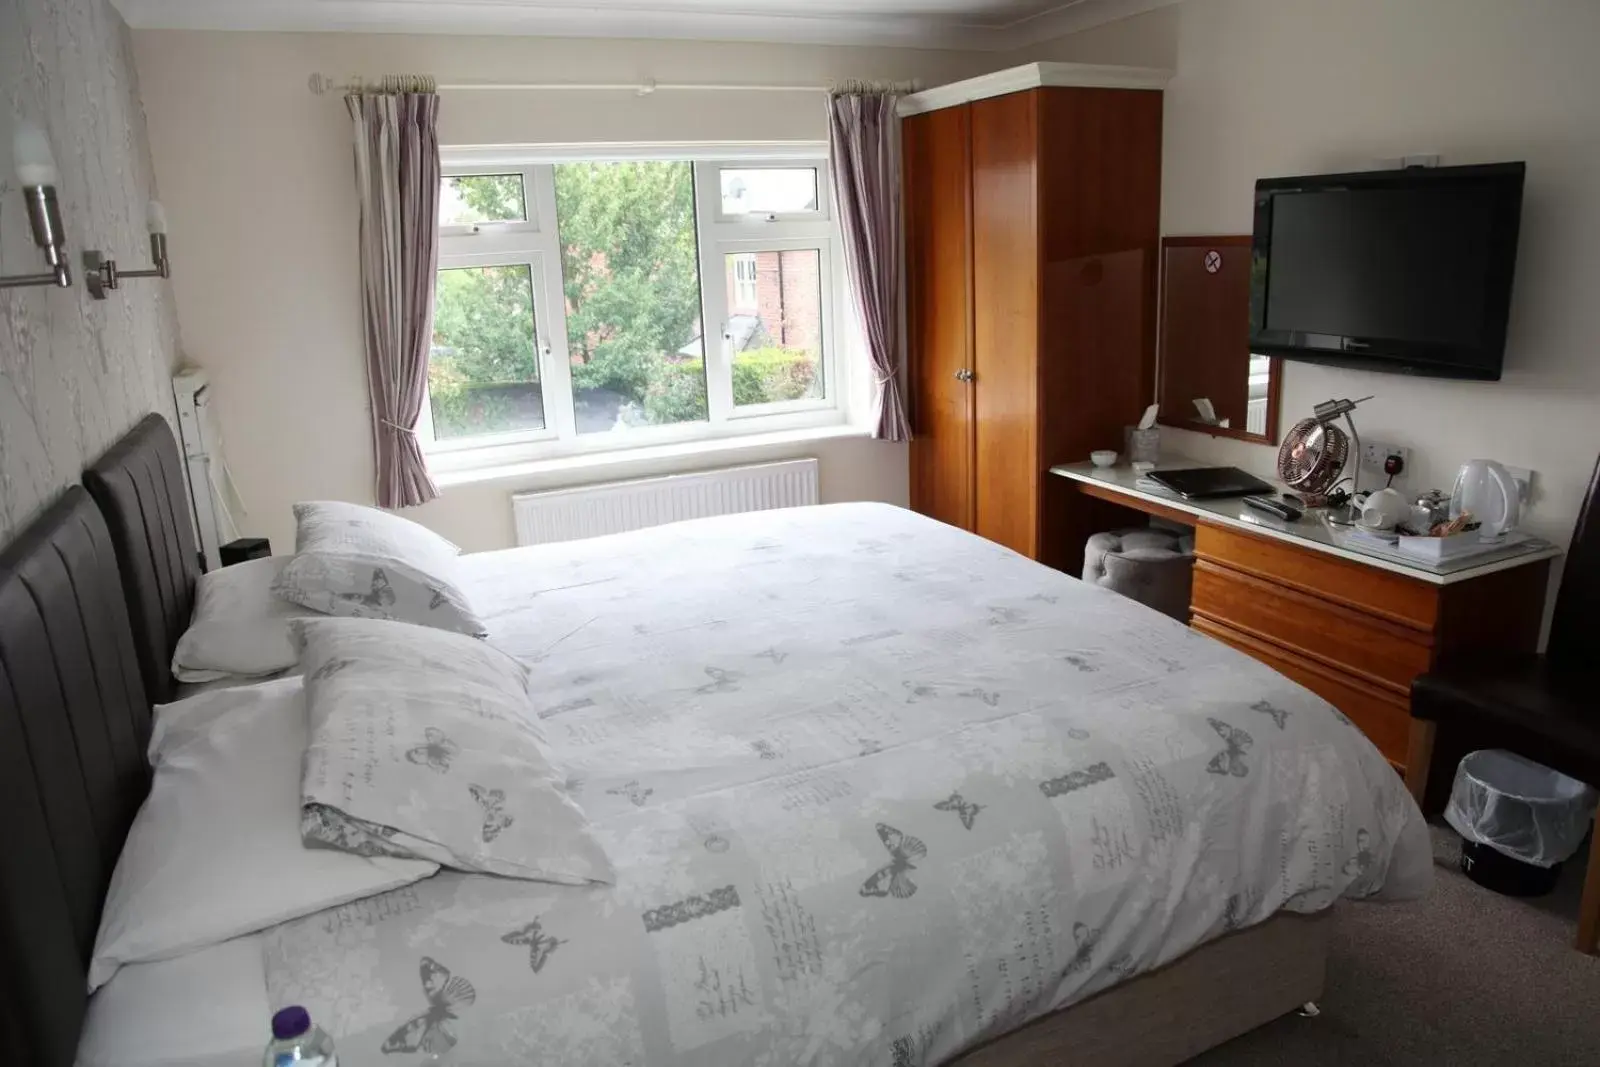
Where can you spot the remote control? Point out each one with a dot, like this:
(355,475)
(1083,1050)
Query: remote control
(1285,511)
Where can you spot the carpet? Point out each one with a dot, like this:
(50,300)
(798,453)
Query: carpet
(1462,977)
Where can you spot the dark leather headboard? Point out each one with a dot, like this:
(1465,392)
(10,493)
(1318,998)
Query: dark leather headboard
(74,723)
(139,486)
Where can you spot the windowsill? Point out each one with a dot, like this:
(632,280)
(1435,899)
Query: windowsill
(725,448)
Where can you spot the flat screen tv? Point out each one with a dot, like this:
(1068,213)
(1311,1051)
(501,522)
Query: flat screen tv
(1398,270)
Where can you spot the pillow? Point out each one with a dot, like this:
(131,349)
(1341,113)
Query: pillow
(215,851)
(130,1020)
(364,563)
(425,744)
(239,628)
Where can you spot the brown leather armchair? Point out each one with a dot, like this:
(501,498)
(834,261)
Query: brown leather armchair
(1545,707)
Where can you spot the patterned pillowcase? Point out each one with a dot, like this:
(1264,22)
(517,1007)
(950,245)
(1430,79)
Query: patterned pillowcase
(424,745)
(364,563)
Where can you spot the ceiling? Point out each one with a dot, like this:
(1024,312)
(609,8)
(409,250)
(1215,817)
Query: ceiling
(980,25)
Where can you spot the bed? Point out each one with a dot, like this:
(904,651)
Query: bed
(699,671)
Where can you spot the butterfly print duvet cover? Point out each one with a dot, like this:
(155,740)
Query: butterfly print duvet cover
(1022,834)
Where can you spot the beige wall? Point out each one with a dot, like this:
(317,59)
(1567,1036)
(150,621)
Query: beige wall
(75,373)
(258,185)
(1272,87)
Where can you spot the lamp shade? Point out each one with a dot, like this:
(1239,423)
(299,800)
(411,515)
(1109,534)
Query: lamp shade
(36,164)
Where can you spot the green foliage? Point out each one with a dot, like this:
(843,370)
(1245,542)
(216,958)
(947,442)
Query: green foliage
(483,327)
(767,375)
(490,197)
(470,411)
(483,360)
(677,393)
(629,271)
(760,376)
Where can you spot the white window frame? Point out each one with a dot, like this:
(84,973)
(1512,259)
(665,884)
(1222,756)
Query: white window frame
(536,242)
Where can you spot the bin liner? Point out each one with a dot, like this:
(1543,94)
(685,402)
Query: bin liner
(1519,808)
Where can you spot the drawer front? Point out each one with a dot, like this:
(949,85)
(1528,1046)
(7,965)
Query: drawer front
(1383,718)
(1384,654)
(1370,589)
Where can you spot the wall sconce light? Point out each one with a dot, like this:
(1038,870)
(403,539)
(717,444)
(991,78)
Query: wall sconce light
(36,170)
(101,274)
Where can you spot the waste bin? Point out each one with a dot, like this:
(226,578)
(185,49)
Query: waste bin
(1518,821)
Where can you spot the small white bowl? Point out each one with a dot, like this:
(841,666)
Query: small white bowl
(1103,457)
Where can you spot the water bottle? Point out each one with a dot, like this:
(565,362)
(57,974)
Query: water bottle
(296,1043)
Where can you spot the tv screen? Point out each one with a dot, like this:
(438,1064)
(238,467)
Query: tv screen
(1404,270)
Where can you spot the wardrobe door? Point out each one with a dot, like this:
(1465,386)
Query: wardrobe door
(1005,256)
(938,215)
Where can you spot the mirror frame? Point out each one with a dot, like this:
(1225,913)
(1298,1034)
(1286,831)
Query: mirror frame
(1274,386)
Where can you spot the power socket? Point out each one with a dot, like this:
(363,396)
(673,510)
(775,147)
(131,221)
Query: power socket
(1373,453)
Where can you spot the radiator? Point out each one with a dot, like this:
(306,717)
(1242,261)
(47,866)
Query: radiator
(613,507)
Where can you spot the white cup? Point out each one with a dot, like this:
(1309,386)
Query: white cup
(1384,510)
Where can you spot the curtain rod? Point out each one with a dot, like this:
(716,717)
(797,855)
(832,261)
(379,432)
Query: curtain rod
(320,85)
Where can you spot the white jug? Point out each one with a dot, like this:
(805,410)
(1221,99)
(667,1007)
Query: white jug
(1487,490)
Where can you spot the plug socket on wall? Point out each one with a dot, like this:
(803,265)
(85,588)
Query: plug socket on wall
(1373,454)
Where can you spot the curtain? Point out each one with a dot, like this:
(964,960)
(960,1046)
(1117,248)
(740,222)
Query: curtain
(864,141)
(397,180)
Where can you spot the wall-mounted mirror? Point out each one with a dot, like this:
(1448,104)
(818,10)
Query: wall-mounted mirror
(1207,378)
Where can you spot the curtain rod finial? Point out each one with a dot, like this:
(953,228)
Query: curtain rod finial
(318,84)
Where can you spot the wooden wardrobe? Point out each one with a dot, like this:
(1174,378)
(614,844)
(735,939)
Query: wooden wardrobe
(1032,203)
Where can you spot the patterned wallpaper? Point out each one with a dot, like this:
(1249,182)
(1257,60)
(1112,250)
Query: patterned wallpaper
(75,373)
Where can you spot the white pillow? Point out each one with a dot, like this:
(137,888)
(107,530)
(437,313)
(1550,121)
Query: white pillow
(131,1020)
(239,628)
(215,851)
(424,743)
(364,563)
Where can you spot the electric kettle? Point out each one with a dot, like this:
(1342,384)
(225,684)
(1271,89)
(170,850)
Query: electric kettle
(1486,490)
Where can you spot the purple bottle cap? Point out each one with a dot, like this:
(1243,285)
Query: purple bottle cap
(290,1022)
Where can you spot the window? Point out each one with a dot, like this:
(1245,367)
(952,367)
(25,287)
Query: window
(631,276)
(773,191)
(470,199)
(774,338)
(590,304)
(483,369)
(742,272)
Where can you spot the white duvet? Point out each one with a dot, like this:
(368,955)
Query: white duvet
(876,790)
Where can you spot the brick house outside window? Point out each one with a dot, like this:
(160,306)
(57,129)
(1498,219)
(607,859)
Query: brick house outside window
(783,290)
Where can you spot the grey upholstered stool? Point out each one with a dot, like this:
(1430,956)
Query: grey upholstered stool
(1154,567)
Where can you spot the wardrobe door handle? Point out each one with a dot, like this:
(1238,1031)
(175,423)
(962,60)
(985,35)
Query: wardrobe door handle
(963,375)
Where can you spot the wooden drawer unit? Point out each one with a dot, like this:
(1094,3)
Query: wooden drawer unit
(1356,635)
(1384,654)
(1395,597)
(1381,715)
(1352,628)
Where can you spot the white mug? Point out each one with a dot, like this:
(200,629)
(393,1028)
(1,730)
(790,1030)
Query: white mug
(1384,510)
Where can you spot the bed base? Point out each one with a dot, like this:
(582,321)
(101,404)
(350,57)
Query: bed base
(1212,995)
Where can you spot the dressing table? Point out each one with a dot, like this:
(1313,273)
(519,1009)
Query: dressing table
(1351,625)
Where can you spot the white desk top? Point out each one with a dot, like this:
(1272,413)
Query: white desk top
(1310,532)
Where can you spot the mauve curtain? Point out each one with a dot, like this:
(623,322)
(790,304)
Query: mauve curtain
(397,179)
(864,140)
